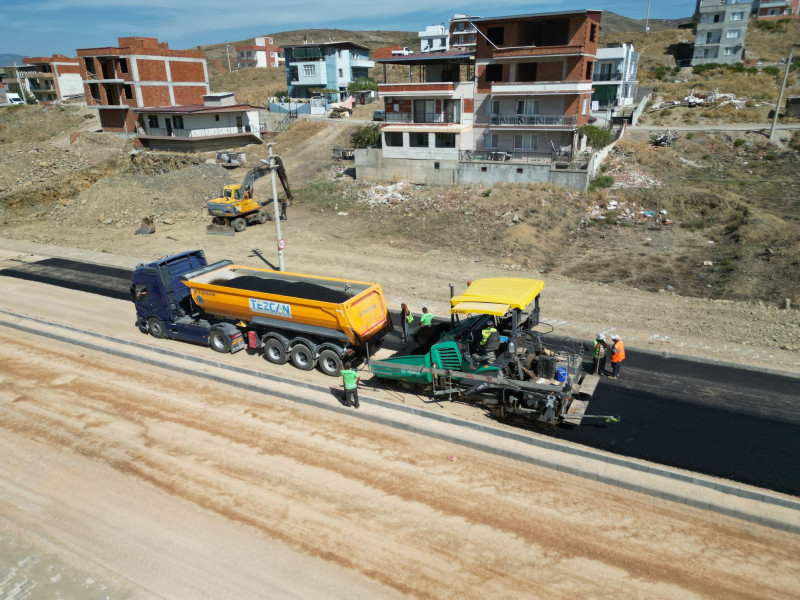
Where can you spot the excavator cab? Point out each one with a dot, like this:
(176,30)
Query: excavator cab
(236,207)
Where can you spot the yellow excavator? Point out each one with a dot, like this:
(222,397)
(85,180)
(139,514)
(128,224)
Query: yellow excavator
(236,208)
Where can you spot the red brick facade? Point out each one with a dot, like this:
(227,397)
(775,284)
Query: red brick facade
(124,77)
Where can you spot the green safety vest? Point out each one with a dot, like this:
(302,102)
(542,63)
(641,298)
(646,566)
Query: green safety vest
(486,333)
(350,378)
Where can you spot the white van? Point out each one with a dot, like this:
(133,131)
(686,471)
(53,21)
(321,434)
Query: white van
(14,98)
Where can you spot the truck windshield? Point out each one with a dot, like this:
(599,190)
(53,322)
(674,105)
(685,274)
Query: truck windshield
(226,193)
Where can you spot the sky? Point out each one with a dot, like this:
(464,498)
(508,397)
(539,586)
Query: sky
(46,27)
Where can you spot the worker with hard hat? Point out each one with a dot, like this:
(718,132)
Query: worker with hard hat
(599,355)
(617,355)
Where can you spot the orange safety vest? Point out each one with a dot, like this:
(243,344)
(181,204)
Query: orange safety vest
(617,352)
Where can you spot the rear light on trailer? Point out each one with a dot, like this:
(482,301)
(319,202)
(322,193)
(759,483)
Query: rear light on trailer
(252,339)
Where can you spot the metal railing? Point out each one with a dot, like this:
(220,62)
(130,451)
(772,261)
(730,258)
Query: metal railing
(613,76)
(416,117)
(533,120)
(530,156)
(190,133)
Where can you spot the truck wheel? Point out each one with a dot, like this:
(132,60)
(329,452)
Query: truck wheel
(219,342)
(302,357)
(261,217)
(239,224)
(329,362)
(156,328)
(274,352)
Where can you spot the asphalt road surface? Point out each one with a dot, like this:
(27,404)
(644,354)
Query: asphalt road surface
(725,422)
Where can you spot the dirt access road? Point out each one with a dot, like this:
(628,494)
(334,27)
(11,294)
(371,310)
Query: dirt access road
(121,481)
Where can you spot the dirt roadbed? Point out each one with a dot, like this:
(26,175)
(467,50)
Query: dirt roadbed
(141,482)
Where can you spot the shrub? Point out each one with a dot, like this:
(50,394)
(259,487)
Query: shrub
(690,135)
(600,182)
(771,71)
(659,72)
(595,136)
(367,136)
(738,142)
(771,156)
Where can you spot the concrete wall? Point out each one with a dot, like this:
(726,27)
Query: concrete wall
(373,167)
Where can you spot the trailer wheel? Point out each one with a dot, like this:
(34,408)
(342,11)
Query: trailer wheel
(302,357)
(329,362)
(219,342)
(261,217)
(274,352)
(239,224)
(156,328)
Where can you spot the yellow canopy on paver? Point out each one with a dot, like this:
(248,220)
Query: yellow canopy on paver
(495,295)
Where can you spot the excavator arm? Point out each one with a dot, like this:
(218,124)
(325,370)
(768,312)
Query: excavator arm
(282,176)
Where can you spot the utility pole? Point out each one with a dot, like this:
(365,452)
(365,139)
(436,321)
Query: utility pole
(780,94)
(647,21)
(228,54)
(280,241)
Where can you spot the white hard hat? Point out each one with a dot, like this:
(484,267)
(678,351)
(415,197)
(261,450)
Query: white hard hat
(615,337)
(601,337)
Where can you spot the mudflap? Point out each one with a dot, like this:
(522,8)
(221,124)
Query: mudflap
(216,229)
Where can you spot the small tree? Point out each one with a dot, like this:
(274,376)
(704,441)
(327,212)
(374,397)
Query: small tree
(595,136)
(362,84)
(368,136)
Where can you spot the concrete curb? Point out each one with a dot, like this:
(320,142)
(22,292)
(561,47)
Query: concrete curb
(430,424)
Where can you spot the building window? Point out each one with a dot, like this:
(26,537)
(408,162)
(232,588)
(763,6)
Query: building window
(216,117)
(308,70)
(585,108)
(490,141)
(445,140)
(525,141)
(341,73)
(737,16)
(492,107)
(393,138)
(730,51)
(436,165)
(123,65)
(495,35)
(589,67)
(152,121)
(593,33)
(418,139)
(177,122)
(494,72)
(527,107)
(733,33)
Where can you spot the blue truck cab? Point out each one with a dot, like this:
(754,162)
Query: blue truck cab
(164,306)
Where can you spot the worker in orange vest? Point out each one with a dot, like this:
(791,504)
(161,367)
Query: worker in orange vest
(617,355)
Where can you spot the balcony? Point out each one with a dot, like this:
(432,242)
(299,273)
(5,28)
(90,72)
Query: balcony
(505,120)
(541,87)
(710,40)
(513,53)
(199,133)
(435,89)
(364,62)
(613,76)
(421,118)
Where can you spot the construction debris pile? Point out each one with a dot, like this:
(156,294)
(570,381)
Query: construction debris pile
(697,98)
(617,212)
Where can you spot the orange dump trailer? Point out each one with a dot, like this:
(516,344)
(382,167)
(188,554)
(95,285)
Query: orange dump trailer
(306,319)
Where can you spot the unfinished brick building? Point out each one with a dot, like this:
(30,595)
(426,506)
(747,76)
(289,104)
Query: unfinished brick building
(141,72)
(53,78)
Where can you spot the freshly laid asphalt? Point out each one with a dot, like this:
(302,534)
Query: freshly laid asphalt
(724,421)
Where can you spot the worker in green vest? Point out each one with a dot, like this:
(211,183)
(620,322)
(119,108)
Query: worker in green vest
(426,319)
(487,331)
(350,380)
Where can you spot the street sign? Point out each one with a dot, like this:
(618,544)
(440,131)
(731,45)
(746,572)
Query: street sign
(281,244)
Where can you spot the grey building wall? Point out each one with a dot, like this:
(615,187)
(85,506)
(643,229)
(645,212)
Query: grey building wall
(373,167)
(721,31)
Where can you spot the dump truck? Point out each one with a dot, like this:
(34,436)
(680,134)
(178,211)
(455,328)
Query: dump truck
(515,373)
(237,207)
(305,319)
